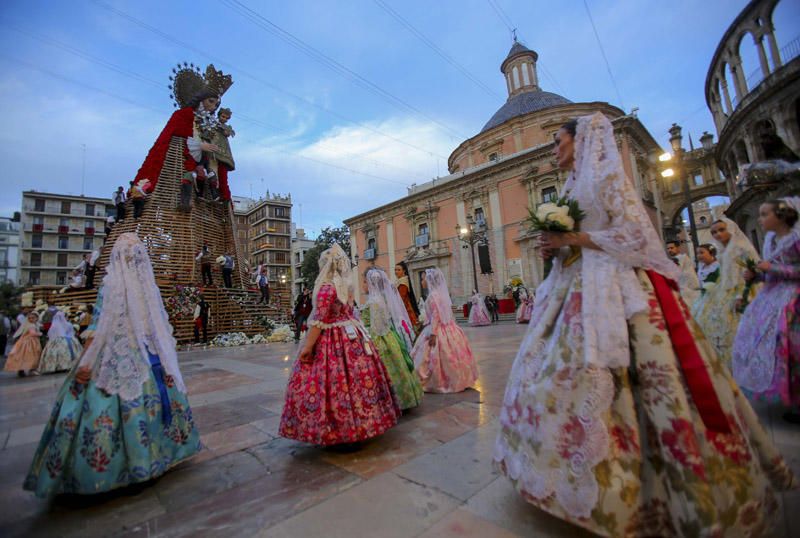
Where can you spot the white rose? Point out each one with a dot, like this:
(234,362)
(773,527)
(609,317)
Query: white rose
(563,219)
(545,209)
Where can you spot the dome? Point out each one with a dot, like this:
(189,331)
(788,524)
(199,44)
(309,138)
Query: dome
(524,103)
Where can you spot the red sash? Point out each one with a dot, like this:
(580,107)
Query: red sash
(692,365)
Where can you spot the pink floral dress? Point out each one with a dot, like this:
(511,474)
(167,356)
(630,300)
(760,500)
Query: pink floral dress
(344,395)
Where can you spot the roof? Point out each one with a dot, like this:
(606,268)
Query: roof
(524,103)
(517,49)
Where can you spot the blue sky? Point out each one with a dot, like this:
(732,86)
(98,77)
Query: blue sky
(95,73)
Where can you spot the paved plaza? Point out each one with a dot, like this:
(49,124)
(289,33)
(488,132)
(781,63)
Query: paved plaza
(431,476)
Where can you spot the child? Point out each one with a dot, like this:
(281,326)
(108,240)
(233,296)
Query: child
(122,415)
(62,348)
(24,356)
(442,356)
(766,350)
(385,316)
(138,195)
(339,391)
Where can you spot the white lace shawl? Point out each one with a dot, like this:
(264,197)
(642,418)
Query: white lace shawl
(335,269)
(705,270)
(617,222)
(385,298)
(60,327)
(738,248)
(132,321)
(438,306)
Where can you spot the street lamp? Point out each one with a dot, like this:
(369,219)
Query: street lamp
(675,139)
(470,235)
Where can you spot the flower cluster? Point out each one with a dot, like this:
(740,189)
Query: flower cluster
(265,322)
(183,302)
(750,265)
(561,216)
(282,333)
(512,285)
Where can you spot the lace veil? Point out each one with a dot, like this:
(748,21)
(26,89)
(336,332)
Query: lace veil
(334,268)
(132,322)
(384,300)
(739,247)
(618,223)
(60,327)
(438,297)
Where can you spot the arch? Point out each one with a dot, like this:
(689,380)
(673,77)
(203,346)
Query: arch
(679,214)
(770,144)
(747,51)
(728,89)
(740,151)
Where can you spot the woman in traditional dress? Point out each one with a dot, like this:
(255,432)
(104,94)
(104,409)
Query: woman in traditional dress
(122,415)
(478,313)
(719,317)
(24,356)
(386,318)
(525,307)
(63,347)
(442,355)
(766,351)
(606,421)
(406,292)
(339,391)
(707,275)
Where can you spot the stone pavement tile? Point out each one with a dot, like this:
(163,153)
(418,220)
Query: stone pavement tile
(459,468)
(447,423)
(791,510)
(386,506)
(14,463)
(461,523)
(221,416)
(229,393)
(269,425)
(398,445)
(23,436)
(791,455)
(502,505)
(88,516)
(212,380)
(785,433)
(233,439)
(295,480)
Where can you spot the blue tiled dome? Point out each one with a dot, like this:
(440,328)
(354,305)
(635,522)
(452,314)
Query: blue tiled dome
(524,103)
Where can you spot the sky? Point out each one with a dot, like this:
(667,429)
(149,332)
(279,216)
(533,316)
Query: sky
(341,104)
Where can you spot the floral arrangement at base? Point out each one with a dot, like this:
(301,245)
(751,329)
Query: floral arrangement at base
(512,285)
(238,339)
(282,333)
(265,322)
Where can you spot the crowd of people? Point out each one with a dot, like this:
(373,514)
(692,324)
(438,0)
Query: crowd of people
(621,414)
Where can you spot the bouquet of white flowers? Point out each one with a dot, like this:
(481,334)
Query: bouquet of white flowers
(563,215)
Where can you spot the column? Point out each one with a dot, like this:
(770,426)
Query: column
(353,253)
(739,85)
(390,243)
(498,239)
(762,55)
(724,84)
(463,255)
(773,49)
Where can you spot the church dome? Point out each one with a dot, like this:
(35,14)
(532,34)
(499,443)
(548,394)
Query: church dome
(524,103)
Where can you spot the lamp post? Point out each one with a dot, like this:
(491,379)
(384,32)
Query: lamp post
(675,139)
(470,235)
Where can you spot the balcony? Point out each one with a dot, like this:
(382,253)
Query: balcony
(422,240)
(38,227)
(369,254)
(63,229)
(88,231)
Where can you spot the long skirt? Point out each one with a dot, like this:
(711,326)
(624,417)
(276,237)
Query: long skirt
(448,365)
(25,354)
(626,451)
(343,396)
(400,368)
(96,442)
(59,354)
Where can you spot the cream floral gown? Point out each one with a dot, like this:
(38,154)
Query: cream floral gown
(665,445)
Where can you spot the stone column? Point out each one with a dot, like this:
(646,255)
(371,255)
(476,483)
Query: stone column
(463,254)
(390,243)
(762,55)
(724,84)
(739,84)
(773,49)
(498,239)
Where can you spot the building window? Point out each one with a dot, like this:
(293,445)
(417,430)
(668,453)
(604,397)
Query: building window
(90,210)
(676,187)
(63,221)
(61,278)
(549,194)
(36,259)
(62,259)
(371,243)
(88,243)
(63,241)
(38,204)
(698,178)
(88,224)
(703,220)
(38,219)
(36,241)
(66,208)
(492,157)
(34,277)
(423,228)
(280,211)
(480,218)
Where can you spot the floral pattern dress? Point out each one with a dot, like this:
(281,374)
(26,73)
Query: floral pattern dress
(60,354)
(26,352)
(448,365)
(625,451)
(478,313)
(524,310)
(399,366)
(344,394)
(766,352)
(96,442)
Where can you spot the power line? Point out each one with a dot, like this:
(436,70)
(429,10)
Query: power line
(137,104)
(136,76)
(502,15)
(322,58)
(256,78)
(603,52)
(449,59)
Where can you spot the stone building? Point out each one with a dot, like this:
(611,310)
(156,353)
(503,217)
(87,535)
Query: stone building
(756,108)
(300,245)
(495,176)
(9,249)
(56,230)
(263,233)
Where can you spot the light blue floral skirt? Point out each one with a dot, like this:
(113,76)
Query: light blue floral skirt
(94,442)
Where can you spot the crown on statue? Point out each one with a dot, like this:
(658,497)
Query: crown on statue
(188,83)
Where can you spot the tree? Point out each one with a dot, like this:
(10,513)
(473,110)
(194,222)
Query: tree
(310,268)
(9,298)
